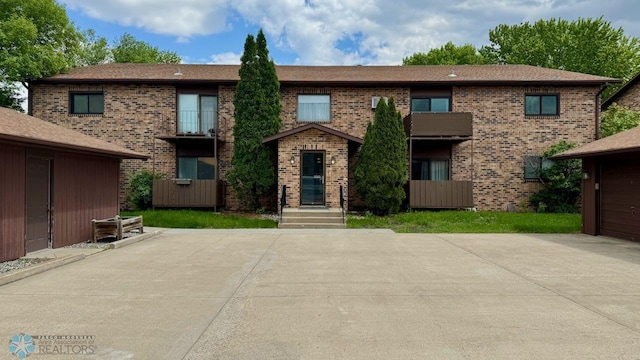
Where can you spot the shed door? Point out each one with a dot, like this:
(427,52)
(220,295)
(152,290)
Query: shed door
(38,229)
(620,199)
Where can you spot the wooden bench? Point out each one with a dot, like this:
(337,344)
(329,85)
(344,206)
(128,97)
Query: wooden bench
(115,226)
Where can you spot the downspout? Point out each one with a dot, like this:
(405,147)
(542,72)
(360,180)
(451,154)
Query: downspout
(602,87)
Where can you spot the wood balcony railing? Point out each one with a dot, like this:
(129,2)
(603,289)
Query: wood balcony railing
(188,194)
(424,194)
(444,125)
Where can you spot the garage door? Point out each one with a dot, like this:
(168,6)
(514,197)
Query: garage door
(620,199)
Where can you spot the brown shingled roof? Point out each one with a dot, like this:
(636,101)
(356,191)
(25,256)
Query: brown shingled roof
(623,89)
(624,142)
(18,127)
(465,74)
(315,126)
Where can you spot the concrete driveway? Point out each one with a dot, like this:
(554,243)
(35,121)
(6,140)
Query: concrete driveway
(342,294)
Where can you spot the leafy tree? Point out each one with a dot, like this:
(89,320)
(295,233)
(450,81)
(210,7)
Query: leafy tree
(618,118)
(9,97)
(561,183)
(590,46)
(128,49)
(381,169)
(94,50)
(257,115)
(36,40)
(448,54)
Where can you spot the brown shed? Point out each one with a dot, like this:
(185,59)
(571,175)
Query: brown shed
(53,182)
(610,185)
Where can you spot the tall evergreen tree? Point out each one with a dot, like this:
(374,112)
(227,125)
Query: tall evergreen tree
(257,115)
(381,170)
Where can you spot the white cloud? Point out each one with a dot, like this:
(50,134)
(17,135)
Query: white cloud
(183,19)
(350,31)
(227,58)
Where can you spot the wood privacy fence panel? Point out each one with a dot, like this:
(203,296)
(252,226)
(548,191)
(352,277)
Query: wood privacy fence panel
(440,194)
(198,193)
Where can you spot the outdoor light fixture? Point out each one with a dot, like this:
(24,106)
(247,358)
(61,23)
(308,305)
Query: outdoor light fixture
(585,175)
(293,159)
(453,74)
(333,160)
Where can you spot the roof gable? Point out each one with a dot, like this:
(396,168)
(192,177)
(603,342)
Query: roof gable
(306,127)
(621,91)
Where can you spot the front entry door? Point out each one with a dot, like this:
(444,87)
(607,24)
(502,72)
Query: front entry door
(38,202)
(312,187)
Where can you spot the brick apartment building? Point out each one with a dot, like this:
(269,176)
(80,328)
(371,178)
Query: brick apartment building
(475,133)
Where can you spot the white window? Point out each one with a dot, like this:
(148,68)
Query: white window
(314,108)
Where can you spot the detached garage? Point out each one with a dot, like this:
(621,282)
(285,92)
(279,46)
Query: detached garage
(610,185)
(53,182)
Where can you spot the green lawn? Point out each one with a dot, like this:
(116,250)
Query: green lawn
(195,219)
(470,222)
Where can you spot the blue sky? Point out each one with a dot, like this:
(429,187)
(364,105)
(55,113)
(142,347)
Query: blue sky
(330,32)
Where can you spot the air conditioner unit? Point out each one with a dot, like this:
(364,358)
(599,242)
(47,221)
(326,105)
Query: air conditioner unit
(376,99)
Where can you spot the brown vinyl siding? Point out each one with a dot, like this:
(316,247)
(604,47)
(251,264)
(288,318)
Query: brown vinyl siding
(590,197)
(85,188)
(620,194)
(12,201)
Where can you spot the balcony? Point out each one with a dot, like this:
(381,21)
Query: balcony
(187,124)
(446,126)
(191,194)
(425,194)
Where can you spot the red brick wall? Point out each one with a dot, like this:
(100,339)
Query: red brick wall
(631,97)
(493,160)
(503,135)
(313,140)
(131,114)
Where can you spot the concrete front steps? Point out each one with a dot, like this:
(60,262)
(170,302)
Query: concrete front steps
(311,218)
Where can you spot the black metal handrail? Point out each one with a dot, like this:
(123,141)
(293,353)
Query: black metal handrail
(283,200)
(342,203)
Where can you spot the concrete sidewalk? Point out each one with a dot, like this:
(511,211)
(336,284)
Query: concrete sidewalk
(340,294)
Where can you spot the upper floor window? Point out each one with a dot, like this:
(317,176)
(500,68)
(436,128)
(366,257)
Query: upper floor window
(197,114)
(541,105)
(431,104)
(86,103)
(314,108)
